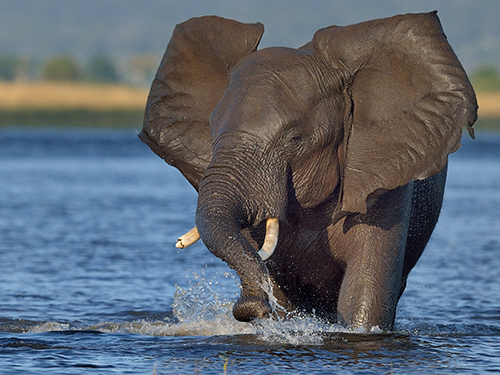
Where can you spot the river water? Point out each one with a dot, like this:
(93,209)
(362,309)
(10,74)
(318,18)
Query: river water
(90,280)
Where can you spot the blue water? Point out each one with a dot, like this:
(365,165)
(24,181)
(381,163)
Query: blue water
(90,280)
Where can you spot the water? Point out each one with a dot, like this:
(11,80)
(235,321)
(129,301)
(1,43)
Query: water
(90,280)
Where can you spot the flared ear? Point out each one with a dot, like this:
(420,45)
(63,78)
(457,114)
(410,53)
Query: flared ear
(189,83)
(410,100)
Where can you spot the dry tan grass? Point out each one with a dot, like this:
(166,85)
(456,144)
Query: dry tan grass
(49,95)
(489,104)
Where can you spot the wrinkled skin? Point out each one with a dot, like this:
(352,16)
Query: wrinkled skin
(344,140)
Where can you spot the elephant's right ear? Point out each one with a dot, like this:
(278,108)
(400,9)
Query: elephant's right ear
(190,81)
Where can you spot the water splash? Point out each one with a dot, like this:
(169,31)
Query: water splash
(304,330)
(199,301)
(198,310)
(49,327)
(201,309)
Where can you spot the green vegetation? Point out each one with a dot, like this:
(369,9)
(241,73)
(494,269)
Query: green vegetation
(116,119)
(486,78)
(15,68)
(46,104)
(102,69)
(487,124)
(138,70)
(73,118)
(8,68)
(61,68)
(99,69)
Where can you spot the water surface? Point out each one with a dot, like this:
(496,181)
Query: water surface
(91,282)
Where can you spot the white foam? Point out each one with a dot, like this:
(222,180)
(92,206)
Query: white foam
(219,326)
(199,310)
(49,327)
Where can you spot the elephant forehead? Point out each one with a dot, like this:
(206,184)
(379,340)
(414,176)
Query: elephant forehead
(267,89)
(276,67)
(244,109)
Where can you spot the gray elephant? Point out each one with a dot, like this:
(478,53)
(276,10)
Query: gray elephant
(320,170)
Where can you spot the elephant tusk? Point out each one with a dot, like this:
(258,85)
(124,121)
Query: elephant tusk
(188,239)
(271,239)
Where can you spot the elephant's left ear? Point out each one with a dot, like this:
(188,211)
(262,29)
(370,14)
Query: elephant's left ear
(191,79)
(411,99)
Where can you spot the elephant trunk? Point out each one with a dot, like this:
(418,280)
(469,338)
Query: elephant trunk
(234,195)
(222,235)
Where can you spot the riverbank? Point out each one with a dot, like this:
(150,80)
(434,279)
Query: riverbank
(71,104)
(91,105)
(51,96)
(84,118)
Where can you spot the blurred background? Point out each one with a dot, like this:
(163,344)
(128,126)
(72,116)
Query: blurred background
(89,215)
(90,63)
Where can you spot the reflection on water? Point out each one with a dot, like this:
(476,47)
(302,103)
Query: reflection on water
(90,276)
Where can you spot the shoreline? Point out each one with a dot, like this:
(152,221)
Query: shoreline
(72,118)
(121,118)
(70,96)
(108,105)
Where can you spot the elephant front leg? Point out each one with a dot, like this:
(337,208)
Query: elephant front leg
(373,249)
(369,293)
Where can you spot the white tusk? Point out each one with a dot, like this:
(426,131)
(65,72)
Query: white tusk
(188,239)
(271,240)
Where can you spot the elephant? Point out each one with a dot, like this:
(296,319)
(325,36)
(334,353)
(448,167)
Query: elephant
(320,170)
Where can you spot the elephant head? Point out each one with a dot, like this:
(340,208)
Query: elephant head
(301,137)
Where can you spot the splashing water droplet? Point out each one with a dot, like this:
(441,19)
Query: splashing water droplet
(200,310)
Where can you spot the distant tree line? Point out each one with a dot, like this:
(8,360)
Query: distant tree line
(486,78)
(138,70)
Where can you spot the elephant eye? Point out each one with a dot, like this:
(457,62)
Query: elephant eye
(294,139)
(295,145)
